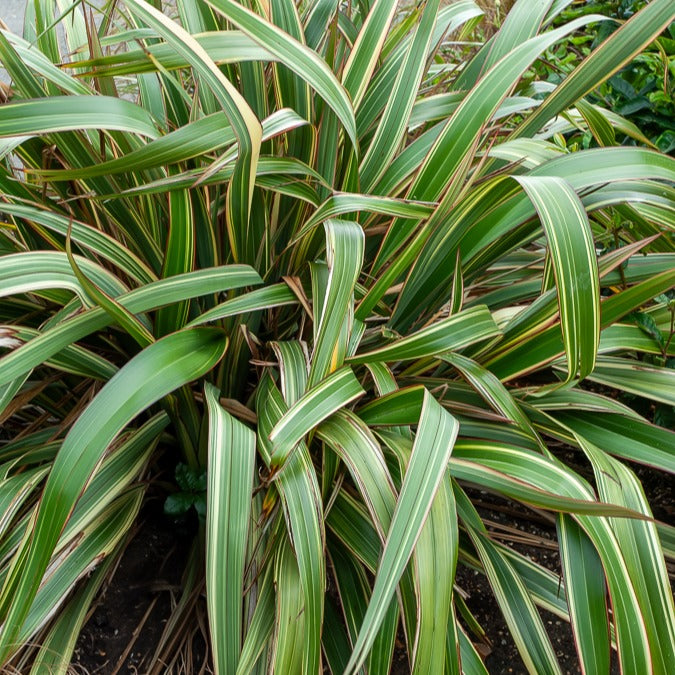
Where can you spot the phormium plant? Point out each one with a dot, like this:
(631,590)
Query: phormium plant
(352,280)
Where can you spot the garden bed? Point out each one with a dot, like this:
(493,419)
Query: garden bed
(126,623)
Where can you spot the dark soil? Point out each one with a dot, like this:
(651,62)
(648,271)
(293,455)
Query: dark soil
(127,622)
(501,654)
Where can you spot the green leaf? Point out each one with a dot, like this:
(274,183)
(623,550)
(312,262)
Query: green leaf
(190,479)
(162,367)
(529,477)
(394,120)
(472,664)
(160,56)
(57,648)
(260,627)
(127,321)
(245,125)
(301,498)
(572,253)
(341,203)
(14,491)
(448,159)
(435,556)
(17,69)
(549,475)
(519,611)
(97,541)
(647,324)
(179,258)
(625,338)
(86,236)
(294,55)
(523,21)
(151,296)
(74,113)
(179,503)
(354,589)
(481,238)
(321,401)
(449,19)
(230,475)
(615,52)
(277,295)
(455,332)
(586,596)
(617,306)
(640,547)
(638,378)
(290,613)
(334,640)
(118,470)
(627,437)
(316,18)
(344,253)
(33,271)
(200,137)
(430,454)
(357,447)
(365,53)
(400,406)
(493,391)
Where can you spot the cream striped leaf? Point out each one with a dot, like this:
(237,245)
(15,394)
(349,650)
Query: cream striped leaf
(572,253)
(231,460)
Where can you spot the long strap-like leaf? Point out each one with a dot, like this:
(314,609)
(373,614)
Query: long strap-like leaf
(161,368)
(431,451)
(228,506)
(244,123)
(572,253)
(294,55)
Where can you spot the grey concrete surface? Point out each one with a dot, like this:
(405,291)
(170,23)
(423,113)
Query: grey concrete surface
(11,12)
